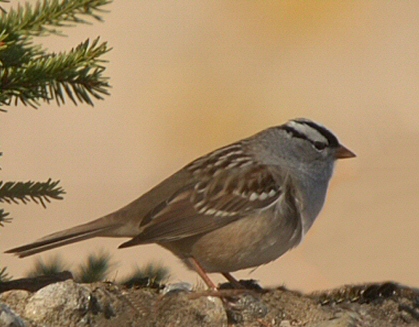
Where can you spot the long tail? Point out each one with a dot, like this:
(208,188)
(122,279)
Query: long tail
(99,227)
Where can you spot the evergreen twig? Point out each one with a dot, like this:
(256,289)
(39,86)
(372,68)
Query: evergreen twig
(154,272)
(54,265)
(4,217)
(77,74)
(96,268)
(39,192)
(35,20)
(29,74)
(4,275)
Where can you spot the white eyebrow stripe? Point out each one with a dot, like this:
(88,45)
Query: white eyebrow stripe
(312,134)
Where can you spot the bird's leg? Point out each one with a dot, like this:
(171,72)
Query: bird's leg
(201,272)
(233,281)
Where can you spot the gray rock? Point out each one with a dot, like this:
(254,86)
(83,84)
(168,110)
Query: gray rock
(106,304)
(8,317)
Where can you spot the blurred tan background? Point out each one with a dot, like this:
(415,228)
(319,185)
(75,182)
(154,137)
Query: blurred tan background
(190,76)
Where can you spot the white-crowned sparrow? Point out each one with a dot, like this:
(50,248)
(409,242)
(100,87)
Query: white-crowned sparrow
(240,206)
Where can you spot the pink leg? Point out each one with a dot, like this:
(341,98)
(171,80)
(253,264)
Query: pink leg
(233,281)
(201,272)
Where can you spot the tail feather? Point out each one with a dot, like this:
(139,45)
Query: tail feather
(68,236)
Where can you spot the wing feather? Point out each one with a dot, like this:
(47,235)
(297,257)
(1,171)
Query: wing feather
(210,203)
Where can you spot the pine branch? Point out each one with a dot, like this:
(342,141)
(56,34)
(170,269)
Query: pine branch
(53,266)
(152,273)
(4,217)
(40,19)
(39,192)
(77,74)
(4,275)
(95,269)
(28,74)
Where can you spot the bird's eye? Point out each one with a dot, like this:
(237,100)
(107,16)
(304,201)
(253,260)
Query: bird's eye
(320,145)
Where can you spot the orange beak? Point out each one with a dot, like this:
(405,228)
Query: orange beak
(343,153)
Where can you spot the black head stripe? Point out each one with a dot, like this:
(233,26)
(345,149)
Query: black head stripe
(333,141)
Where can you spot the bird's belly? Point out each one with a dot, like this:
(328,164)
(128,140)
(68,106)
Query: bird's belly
(248,242)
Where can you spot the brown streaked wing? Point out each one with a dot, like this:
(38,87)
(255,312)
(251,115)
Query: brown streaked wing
(210,204)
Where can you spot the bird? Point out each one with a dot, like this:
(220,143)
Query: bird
(240,206)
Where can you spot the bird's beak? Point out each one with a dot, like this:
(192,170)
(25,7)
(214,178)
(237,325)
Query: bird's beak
(343,153)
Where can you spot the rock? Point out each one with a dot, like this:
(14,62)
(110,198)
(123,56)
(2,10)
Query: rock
(105,304)
(8,318)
